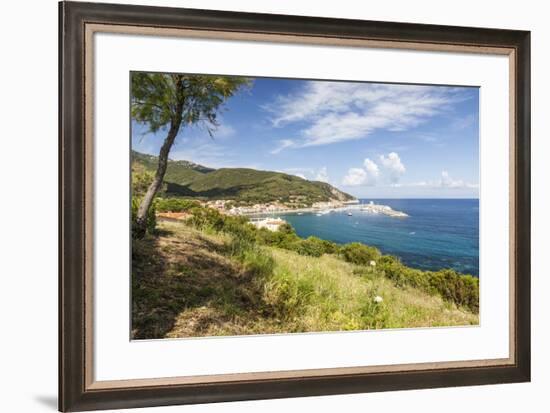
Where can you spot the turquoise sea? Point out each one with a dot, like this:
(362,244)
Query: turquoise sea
(439,233)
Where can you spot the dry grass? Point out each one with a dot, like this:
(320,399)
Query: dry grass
(186,284)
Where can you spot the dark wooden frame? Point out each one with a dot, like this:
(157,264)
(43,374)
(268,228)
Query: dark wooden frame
(75,391)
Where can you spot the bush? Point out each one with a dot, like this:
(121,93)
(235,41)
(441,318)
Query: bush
(284,238)
(403,276)
(240,227)
(151,219)
(176,205)
(359,254)
(206,218)
(310,246)
(460,289)
(286,229)
(463,290)
(313,246)
(267,237)
(329,247)
(388,259)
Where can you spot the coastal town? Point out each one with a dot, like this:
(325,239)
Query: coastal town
(279,208)
(261,215)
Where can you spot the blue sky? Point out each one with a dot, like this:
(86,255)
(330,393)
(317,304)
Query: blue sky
(371,140)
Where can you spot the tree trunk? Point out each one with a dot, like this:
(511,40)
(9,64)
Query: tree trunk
(141,219)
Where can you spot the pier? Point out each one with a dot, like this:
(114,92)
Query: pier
(373,208)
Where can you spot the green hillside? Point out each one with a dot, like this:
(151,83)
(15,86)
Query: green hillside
(188,179)
(181,172)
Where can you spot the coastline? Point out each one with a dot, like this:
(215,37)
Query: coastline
(427,228)
(369,208)
(438,233)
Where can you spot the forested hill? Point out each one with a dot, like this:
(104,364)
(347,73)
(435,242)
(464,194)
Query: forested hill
(187,179)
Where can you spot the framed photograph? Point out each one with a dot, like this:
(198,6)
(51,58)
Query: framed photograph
(264,206)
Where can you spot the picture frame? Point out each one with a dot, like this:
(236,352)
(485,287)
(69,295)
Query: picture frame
(78,22)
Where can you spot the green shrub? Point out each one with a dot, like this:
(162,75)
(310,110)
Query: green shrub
(329,247)
(284,238)
(176,205)
(312,246)
(267,237)
(206,218)
(402,275)
(460,289)
(240,227)
(359,254)
(463,290)
(388,259)
(286,229)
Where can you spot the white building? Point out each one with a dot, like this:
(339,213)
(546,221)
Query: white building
(271,224)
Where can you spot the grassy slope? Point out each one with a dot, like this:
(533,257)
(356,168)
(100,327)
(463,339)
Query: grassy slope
(185,284)
(265,186)
(187,179)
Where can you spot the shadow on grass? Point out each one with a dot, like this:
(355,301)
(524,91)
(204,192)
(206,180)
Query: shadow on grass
(183,286)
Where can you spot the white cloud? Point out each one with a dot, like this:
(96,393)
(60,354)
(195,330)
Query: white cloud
(445,181)
(300,176)
(371,168)
(337,111)
(355,177)
(282,144)
(365,176)
(393,166)
(322,175)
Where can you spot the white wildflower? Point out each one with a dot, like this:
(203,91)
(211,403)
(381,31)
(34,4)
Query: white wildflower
(378,299)
(373,263)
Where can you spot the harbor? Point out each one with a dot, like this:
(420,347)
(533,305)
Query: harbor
(373,208)
(265,219)
(319,209)
(349,209)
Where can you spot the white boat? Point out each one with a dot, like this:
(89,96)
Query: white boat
(350,214)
